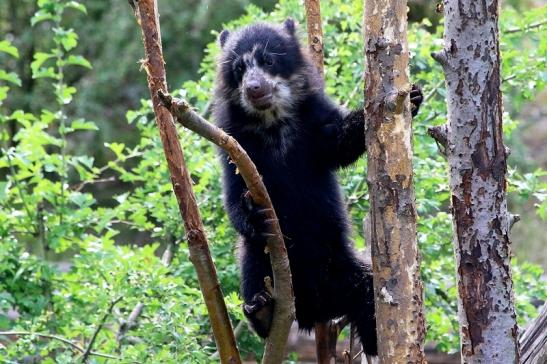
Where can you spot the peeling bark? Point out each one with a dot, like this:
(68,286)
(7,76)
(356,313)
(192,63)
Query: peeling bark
(477,161)
(395,258)
(147,16)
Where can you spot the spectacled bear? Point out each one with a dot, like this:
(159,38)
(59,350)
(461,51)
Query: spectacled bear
(270,98)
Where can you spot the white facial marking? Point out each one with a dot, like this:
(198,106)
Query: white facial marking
(284,96)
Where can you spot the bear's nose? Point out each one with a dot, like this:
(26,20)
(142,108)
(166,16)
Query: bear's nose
(255,89)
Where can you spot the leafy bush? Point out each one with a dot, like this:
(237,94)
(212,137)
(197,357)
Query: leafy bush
(70,261)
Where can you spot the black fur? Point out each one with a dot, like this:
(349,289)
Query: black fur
(297,149)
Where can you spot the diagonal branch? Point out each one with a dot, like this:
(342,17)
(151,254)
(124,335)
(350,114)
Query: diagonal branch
(283,293)
(87,351)
(146,12)
(60,339)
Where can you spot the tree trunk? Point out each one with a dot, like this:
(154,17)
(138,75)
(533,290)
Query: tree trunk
(477,160)
(395,259)
(147,15)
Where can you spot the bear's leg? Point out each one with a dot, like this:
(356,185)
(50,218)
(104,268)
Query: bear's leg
(353,295)
(361,311)
(258,303)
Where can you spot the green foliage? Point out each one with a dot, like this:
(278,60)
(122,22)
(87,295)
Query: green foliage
(62,257)
(67,252)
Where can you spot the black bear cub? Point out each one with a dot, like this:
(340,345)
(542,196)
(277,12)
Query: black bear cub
(270,98)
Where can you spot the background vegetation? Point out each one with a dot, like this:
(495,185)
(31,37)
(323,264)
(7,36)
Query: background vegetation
(86,207)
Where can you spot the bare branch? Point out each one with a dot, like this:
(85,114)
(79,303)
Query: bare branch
(526,28)
(130,323)
(283,292)
(61,339)
(146,12)
(108,312)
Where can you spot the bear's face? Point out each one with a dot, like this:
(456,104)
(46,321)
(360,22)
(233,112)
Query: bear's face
(262,69)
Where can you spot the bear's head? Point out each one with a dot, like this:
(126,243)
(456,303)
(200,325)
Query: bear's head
(263,68)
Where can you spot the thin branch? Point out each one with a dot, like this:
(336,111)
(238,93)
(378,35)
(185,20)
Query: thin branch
(433,90)
(132,319)
(61,339)
(526,28)
(19,190)
(509,78)
(108,312)
(130,323)
(79,186)
(82,184)
(283,293)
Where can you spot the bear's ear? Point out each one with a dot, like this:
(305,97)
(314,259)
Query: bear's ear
(289,25)
(223,37)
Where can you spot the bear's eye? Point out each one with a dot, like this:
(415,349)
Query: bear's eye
(268,60)
(239,67)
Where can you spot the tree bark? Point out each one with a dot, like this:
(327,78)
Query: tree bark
(284,311)
(315,32)
(477,160)
(147,16)
(395,258)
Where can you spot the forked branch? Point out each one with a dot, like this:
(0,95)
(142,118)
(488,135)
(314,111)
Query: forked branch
(283,293)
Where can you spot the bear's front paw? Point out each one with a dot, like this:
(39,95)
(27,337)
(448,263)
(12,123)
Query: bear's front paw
(416,99)
(259,312)
(257,217)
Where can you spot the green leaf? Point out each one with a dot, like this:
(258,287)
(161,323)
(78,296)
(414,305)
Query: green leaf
(66,37)
(76,5)
(40,16)
(45,73)
(85,161)
(3,93)
(64,93)
(81,124)
(7,47)
(117,148)
(78,61)
(3,190)
(39,59)
(11,77)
